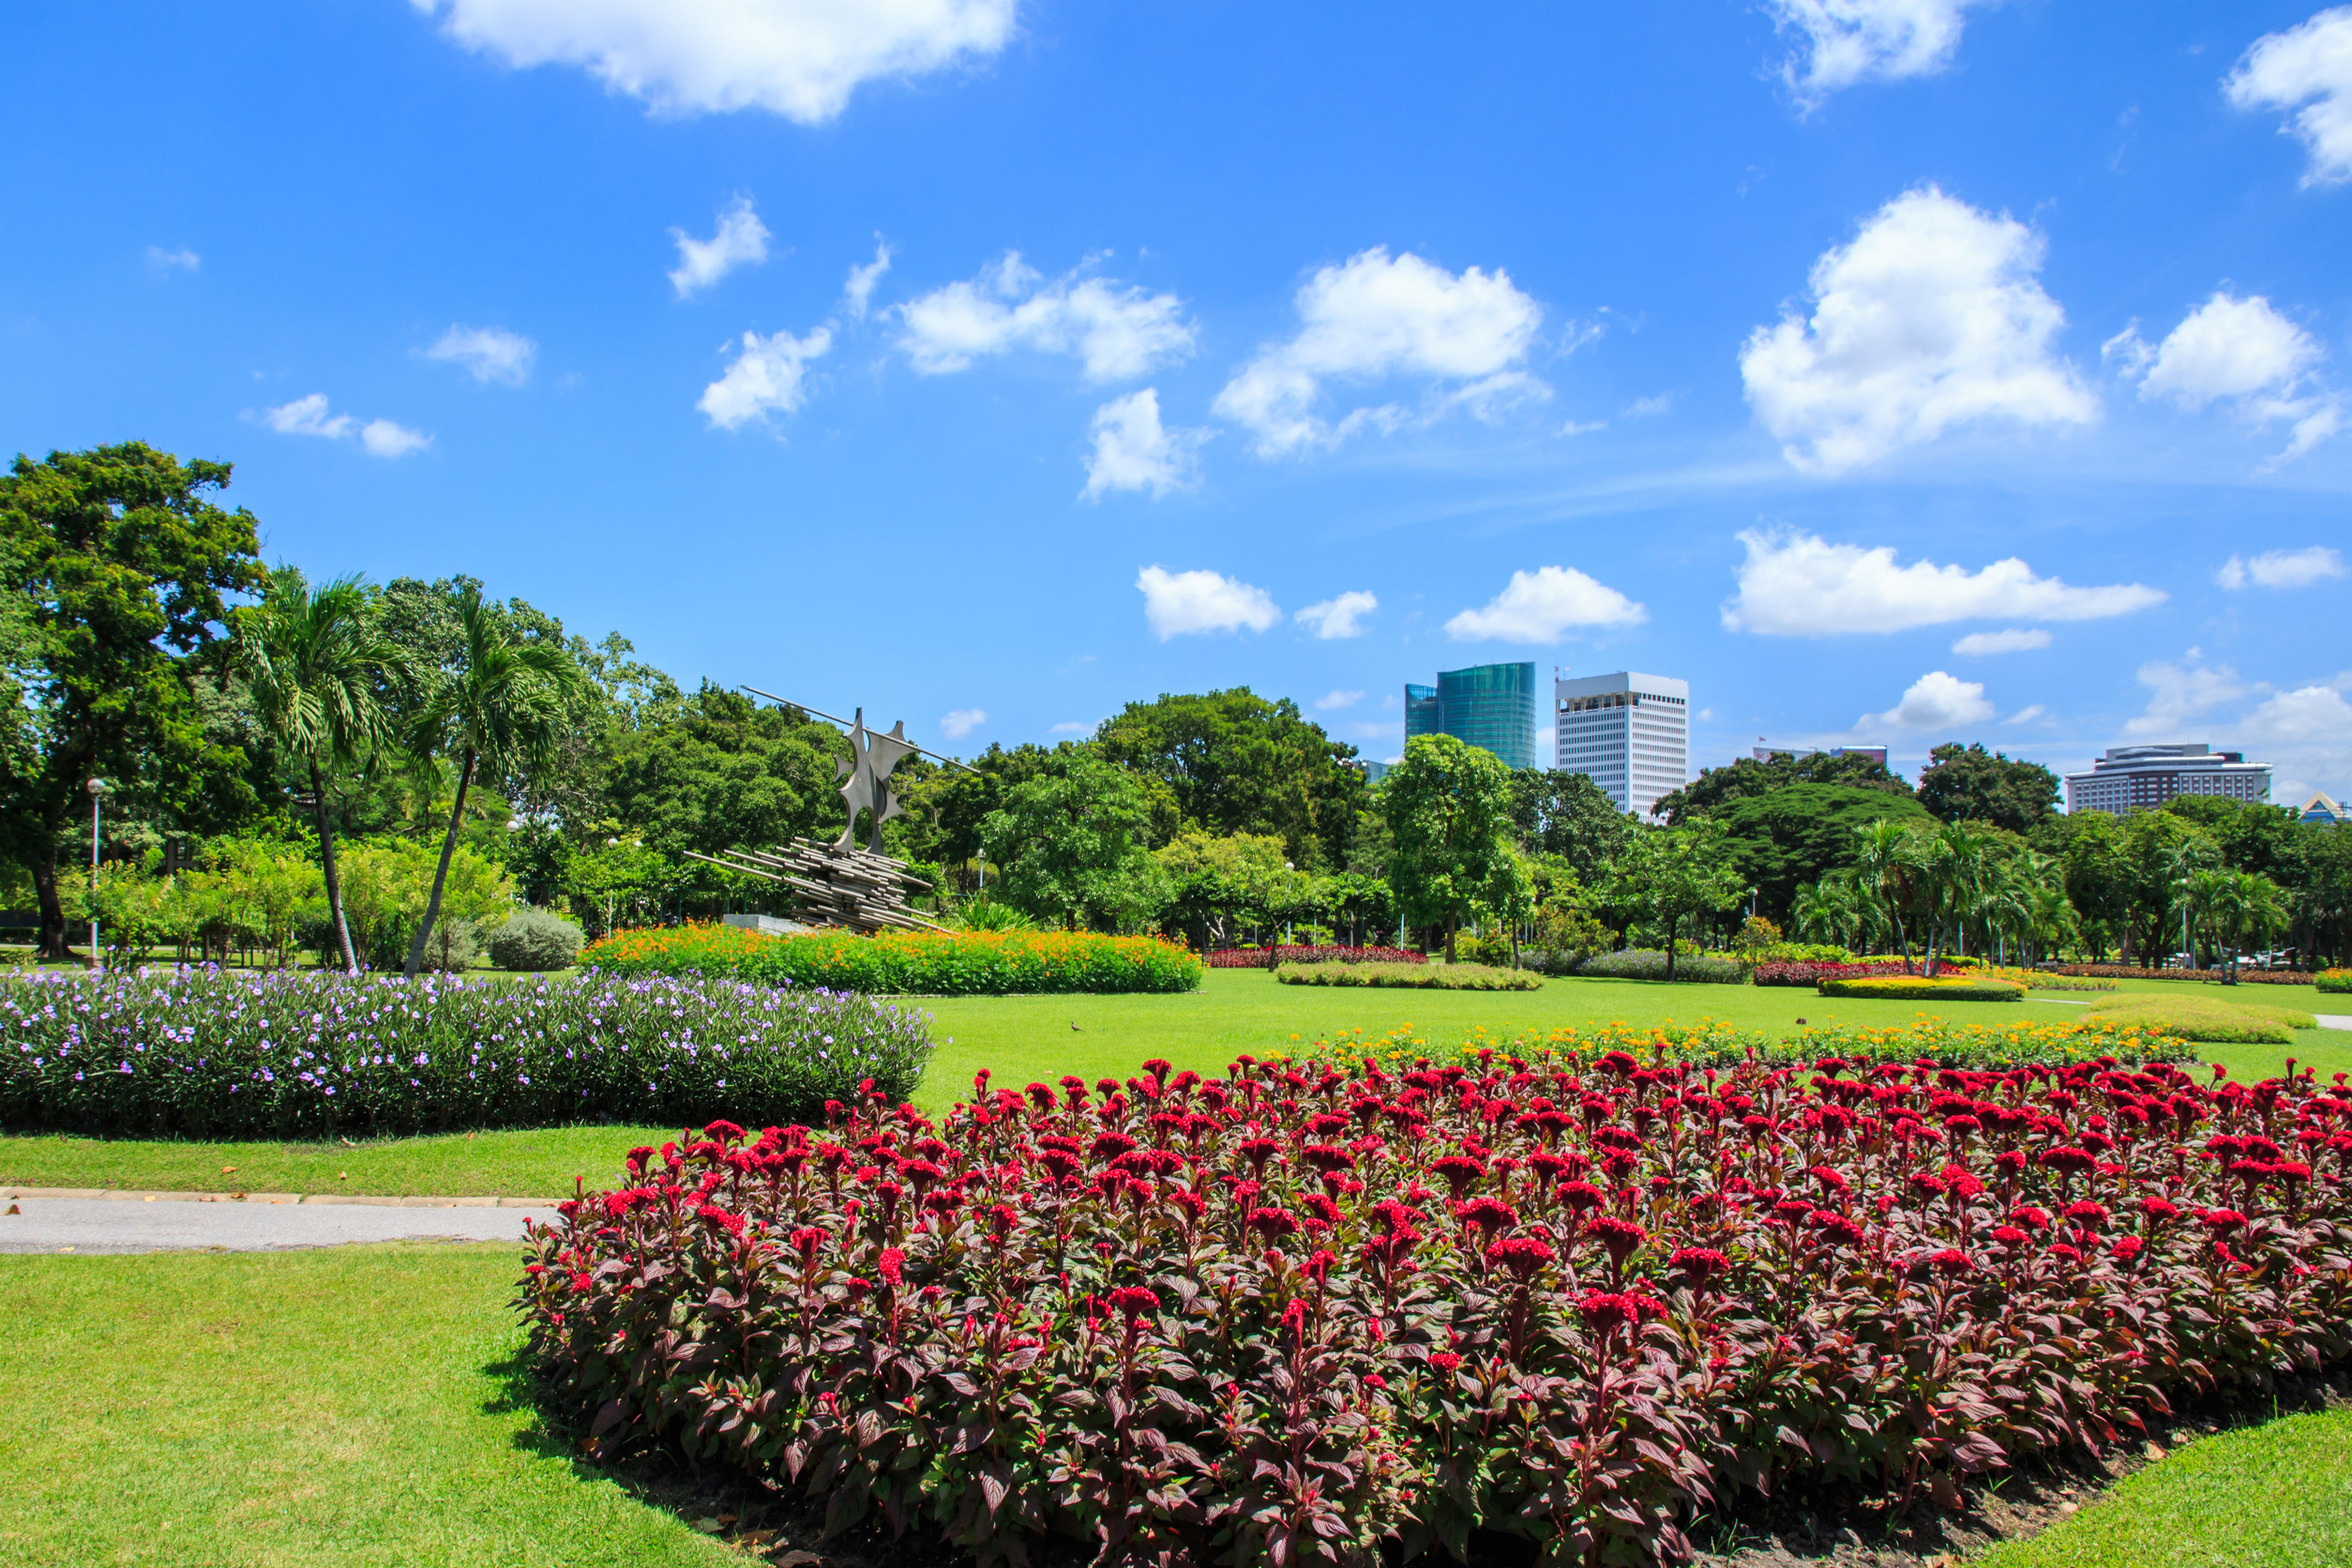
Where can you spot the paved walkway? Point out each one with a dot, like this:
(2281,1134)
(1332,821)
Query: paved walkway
(2334,1020)
(61,1219)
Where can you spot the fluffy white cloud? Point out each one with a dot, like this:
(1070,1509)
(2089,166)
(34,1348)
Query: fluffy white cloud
(1340,616)
(2242,351)
(1544,606)
(1134,451)
(1932,318)
(2307,69)
(1936,700)
(182,260)
(1117,331)
(798,58)
(859,289)
(2176,695)
(313,415)
(2305,736)
(2282,568)
(1077,726)
(1332,700)
(2026,715)
(769,375)
(962,722)
(1795,584)
(1177,603)
(2015,641)
(1377,317)
(488,353)
(741,240)
(1845,42)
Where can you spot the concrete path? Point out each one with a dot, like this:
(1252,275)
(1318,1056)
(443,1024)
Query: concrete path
(2334,1020)
(55,1220)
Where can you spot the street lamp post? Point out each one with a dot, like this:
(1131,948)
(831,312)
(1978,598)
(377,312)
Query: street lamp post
(97,792)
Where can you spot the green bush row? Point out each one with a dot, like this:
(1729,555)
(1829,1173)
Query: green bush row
(907,963)
(1903,987)
(1425,977)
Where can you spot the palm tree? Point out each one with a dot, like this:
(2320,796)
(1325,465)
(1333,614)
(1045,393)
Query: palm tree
(1885,867)
(312,659)
(504,704)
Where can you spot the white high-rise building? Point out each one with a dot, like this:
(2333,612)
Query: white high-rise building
(1629,734)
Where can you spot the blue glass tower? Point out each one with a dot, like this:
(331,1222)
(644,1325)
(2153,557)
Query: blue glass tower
(1491,706)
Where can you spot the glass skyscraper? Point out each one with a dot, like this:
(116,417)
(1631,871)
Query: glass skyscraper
(1491,706)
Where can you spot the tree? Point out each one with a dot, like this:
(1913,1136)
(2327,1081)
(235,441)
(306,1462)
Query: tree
(1562,813)
(1071,842)
(1966,784)
(1715,788)
(312,662)
(1218,883)
(118,570)
(1672,873)
(1886,870)
(722,772)
(1802,834)
(1231,761)
(1449,807)
(505,702)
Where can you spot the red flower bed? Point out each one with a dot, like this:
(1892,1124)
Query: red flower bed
(1810,973)
(2126,972)
(1302,1311)
(1266,958)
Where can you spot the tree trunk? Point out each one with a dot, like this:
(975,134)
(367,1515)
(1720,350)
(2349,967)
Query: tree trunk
(441,875)
(334,883)
(1453,922)
(1673,922)
(53,941)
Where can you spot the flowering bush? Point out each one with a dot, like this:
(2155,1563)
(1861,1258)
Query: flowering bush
(2126,972)
(906,963)
(2335,981)
(1795,974)
(199,1053)
(1315,1307)
(1427,977)
(1267,958)
(1921,987)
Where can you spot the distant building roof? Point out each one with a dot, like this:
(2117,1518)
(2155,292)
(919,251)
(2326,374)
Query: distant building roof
(2319,808)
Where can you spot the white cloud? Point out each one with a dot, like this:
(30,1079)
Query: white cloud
(2308,70)
(1544,606)
(1085,728)
(1340,617)
(2026,715)
(2242,351)
(1933,318)
(962,722)
(312,416)
(1118,331)
(1936,700)
(859,289)
(1845,42)
(2305,735)
(182,260)
(2177,695)
(1134,451)
(488,353)
(2282,568)
(769,375)
(798,58)
(1797,584)
(1377,317)
(1178,603)
(1650,407)
(2014,641)
(1332,700)
(741,240)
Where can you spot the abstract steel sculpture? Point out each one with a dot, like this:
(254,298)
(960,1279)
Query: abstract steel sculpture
(838,883)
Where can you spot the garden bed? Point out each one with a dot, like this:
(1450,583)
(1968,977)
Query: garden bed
(1426,977)
(2129,971)
(1094,1312)
(1269,958)
(907,963)
(1921,987)
(2206,1018)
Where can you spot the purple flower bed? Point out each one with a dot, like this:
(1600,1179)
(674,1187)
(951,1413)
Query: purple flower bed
(1266,958)
(201,1053)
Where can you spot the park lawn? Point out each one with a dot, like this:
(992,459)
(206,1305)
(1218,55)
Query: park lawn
(1026,1038)
(346,1406)
(2274,1495)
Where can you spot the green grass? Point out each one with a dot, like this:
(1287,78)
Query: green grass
(2274,1495)
(1022,1038)
(353,1406)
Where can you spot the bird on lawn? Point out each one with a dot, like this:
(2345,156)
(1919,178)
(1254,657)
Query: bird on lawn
(1074,1028)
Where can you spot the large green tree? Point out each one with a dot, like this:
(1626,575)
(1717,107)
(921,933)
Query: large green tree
(1072,841)
(1233,761)
(723,773)
(1800,834)
(1969,784)
(1715,788)
(1449,807)
(1673,874)
(119,570)
(1567,815)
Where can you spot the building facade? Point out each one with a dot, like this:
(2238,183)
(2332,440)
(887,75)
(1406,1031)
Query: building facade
(1630,734)
(2144,778)
(2323,810)
(1491,706)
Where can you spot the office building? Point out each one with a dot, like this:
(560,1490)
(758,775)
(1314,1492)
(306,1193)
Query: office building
(2142,777)
(1491,706)
(1629,734)
(1798,753)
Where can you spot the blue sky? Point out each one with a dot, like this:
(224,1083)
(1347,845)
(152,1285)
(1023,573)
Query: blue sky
(1905,371)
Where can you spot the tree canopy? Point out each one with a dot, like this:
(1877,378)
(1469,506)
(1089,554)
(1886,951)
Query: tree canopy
(1233,761)
(1745,779)
(1969,784)
(1449,806)
(1801,833)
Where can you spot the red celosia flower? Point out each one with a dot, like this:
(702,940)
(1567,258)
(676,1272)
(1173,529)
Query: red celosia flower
(2072,1161)
(1444,1360)
(1582,1196)
(1459,1171)
(1274,1223)
(2031,1217)
(1836,1228)
(1522,1255)
(807,1240)
(1700,1265)
(2159,1209)
(1133,1300)
(1486,1214)
(892,1267)
(2220,1221)
(1951,1262)
(2009,1235)
(1620,1236)
(723,1133)
(2126,1248)
(1607,1311)
(2085,1212)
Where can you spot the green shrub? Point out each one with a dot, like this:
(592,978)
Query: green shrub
(1916,987)
(1425,977)
(1642,963)
(1493,948)
(987,915)
(2197,1017)
(535,941)
(907,963)
(2336,982)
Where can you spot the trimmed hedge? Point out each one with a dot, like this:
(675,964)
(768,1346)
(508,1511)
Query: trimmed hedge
(2127,972)
(906,963)
(200,1053)
(1426,977)
(2197,1017)
(2335,982)
(1917,987)
(1643,963)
